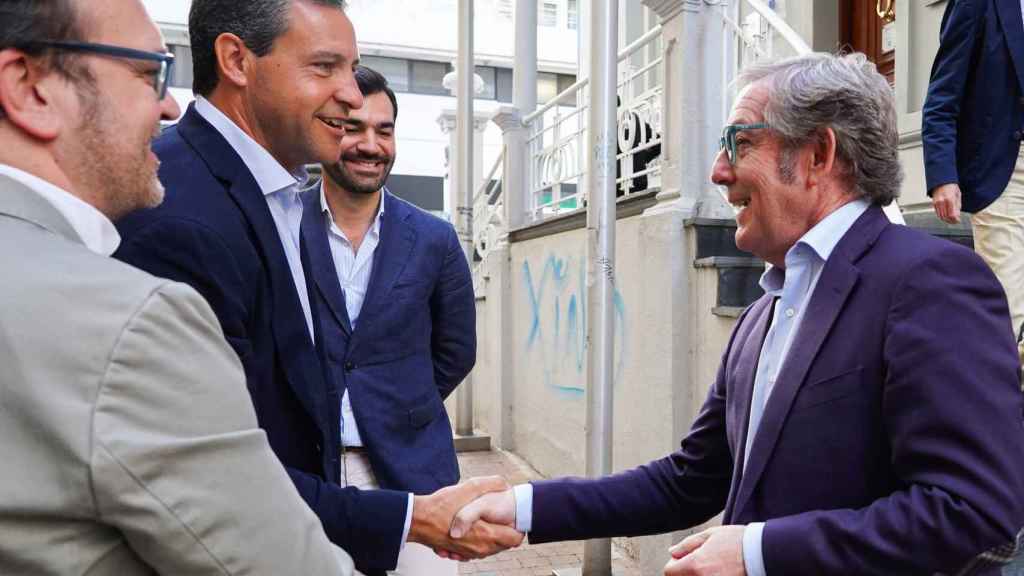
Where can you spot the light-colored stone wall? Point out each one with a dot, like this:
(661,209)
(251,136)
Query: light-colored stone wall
(667,349)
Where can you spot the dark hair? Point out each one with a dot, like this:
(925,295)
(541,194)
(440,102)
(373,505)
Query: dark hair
(257,22)
(372,82)
(26,22)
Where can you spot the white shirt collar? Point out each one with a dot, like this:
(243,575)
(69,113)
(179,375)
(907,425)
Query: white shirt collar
(374,228)
(92,226)
(268,172)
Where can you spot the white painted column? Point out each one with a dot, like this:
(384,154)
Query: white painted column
(446,121)
(693,43)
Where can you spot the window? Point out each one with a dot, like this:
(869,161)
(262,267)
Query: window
(503,85)
(427,77)
(396,70)
(547,86)
(549,14)
(181,74)
(573,14)
(487,73)
(565,81)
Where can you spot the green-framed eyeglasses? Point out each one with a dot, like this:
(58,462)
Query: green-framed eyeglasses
(728,140)
(160,77)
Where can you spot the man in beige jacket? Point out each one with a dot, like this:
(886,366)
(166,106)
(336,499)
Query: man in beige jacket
(128,441)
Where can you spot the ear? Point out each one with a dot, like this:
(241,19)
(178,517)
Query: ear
(234,60)
(823,156)
(27,95)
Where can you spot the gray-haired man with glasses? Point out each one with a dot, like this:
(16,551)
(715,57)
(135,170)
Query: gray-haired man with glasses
(844,432)
(128,441)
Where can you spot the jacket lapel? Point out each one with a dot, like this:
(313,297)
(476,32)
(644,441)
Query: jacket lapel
(397,238)
(746,370)
(837,281)
(321,261)
(296,354)
(1013,31)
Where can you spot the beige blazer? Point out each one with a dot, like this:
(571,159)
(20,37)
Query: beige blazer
(128,443)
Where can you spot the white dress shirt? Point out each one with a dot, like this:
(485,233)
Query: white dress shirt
(91,225)
(794,286)
(353,269)
(280,189)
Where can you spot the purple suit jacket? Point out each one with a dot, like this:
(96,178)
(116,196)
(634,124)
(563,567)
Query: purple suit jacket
(892,443)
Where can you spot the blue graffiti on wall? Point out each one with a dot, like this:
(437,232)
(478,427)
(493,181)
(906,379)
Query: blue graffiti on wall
(565,348)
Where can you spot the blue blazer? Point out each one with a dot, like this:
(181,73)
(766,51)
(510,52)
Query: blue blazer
(214,232)
(973,117)
(413,344)
(892,440)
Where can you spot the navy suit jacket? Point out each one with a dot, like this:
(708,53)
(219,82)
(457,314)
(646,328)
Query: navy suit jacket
(892,442)
(415,340)
(215,232)
(973,117)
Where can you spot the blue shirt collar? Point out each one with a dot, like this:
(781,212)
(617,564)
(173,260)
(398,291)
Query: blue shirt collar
(816,244)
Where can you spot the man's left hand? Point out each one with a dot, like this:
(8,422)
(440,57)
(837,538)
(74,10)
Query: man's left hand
(717,551)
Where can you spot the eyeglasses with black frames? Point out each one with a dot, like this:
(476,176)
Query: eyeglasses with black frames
(161,77)
(728,140)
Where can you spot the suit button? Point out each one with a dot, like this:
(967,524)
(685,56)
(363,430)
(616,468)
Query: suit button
(349,366)
(318,448)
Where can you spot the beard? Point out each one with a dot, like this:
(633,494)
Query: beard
(355,184)
(112,163)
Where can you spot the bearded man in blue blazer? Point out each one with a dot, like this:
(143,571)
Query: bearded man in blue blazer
(866,417)
(400,331)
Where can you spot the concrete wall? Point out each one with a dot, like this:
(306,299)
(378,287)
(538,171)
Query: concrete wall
(530,378)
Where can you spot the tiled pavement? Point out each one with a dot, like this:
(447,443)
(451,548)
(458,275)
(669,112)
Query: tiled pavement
(528,559)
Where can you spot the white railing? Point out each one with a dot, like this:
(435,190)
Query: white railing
(751,38)
(488,209)
(558,132)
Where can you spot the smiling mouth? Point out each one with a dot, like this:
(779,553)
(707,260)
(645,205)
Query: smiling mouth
(740,204)
(336,123)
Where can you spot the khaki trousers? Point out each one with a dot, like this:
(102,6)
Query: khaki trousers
(999,240)
(414,559)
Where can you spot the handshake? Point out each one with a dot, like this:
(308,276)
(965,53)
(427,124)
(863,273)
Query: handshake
(467,521)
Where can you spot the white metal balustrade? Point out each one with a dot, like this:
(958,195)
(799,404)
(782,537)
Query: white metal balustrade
(557,134)
(489,209)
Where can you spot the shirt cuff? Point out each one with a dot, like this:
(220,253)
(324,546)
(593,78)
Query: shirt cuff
(753,560)
(524,507)
(408,521)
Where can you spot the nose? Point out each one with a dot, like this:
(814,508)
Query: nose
(348,91)
(721,171)
(169,109)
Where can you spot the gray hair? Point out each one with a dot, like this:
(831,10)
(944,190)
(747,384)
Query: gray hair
(257,22)
(847,94)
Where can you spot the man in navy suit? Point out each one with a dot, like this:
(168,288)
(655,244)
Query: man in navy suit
(866,417)
(274,84)
(400,334)
(972,129)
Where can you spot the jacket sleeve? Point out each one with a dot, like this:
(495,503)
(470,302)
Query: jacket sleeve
(453,313)
(369,523)
(177,462)
(952,408)
(684,489)
(961,25)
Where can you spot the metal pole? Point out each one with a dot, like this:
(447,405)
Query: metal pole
(464,165)
(601,258)
(524,72)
